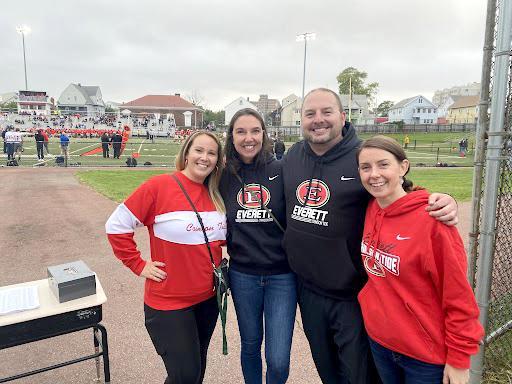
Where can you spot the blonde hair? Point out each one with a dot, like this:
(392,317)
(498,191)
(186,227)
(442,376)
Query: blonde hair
(213,179)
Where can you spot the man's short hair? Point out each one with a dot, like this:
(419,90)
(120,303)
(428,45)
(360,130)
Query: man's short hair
(321,89)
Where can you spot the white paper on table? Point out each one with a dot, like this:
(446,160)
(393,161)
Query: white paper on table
(18,299)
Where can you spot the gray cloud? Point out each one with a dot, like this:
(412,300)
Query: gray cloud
(226,49)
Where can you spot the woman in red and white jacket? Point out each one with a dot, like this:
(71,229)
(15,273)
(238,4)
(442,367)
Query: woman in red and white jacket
(419,310)
(179,304)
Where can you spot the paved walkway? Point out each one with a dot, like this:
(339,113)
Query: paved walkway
(49,218)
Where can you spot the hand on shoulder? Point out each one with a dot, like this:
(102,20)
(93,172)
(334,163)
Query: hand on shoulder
(443,208)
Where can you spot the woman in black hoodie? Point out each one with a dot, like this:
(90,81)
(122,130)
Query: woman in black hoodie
(262,284)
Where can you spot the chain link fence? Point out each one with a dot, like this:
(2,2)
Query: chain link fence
(498,354)
(491,238)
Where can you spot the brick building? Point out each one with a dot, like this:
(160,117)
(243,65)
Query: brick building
(185,113)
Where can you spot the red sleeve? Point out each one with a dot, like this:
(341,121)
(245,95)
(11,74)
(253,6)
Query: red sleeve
(136,211)
(448,270)
(125,249)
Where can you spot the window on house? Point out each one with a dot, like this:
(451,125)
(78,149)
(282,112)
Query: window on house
(420,100)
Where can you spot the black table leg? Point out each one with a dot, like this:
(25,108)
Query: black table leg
(104,347)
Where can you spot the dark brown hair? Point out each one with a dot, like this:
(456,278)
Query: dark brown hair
(392,146)
(231,155)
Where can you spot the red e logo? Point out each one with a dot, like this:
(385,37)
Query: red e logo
(314,194)
(250,196)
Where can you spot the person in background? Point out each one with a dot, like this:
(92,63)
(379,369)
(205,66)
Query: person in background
(46,140)
(39,144)
(4,131)
(9,140)
(279,148)
(179,304)
(417,278)
(406,141)
(117,140)
(18,144)
(262,285)
(105,143)
(64,145)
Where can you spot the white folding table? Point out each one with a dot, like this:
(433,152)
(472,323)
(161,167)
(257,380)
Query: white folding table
(53,319)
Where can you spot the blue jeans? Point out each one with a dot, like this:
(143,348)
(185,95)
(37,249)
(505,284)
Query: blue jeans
(395,368)
(273,298)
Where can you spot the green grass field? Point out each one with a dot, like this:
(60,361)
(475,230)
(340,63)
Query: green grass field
(423,149)
(118,184)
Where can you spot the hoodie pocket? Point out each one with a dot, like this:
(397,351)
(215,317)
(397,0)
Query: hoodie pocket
(422,329)
(323,261)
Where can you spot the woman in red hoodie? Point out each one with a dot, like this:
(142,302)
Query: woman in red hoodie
(418,308)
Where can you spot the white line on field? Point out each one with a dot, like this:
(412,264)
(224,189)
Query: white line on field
(140,146)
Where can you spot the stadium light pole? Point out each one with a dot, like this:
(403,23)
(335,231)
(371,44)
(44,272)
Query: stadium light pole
(299,38)
(305,37)
(24,30)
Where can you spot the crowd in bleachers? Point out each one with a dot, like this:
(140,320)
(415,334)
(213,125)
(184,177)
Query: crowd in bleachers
(88,126)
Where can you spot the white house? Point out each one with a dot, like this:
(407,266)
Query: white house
(414,110)
(358,108)
(77,98)
(290,111)
(235,106)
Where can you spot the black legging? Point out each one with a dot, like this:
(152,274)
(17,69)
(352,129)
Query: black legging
(40,151)
(104,147)
(181,338)
(117,149)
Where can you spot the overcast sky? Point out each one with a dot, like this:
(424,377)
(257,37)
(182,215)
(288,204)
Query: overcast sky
(223,49)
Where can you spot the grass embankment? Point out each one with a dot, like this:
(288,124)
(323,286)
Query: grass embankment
(117,185)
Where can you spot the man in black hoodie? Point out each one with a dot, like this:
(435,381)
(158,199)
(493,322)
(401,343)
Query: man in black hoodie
(39,144)
(325,207)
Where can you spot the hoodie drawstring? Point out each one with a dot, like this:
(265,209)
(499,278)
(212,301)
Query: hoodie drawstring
(318,163)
